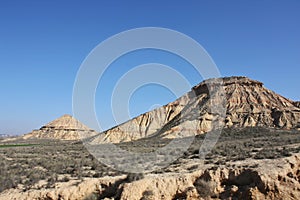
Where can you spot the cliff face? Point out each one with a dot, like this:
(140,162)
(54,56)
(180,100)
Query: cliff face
(297,104)
(247,103)
(65,128)
(251,104)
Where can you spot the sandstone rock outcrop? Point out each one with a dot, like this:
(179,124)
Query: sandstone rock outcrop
(271,179)
(297,104)
(65,128)
(249,179)
(247,102)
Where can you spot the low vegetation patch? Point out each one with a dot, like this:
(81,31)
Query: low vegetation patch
(25,163)
(16,145)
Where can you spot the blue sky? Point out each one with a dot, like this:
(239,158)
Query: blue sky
(43,43)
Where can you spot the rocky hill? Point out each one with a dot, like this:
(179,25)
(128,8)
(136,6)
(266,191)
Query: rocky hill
(65,128)
(297,104)
(247,103)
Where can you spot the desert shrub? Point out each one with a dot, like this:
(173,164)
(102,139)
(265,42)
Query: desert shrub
(134,177)
(51,180)
(266,154)
(147,195)
(92,196)
(205,188)
(65,179)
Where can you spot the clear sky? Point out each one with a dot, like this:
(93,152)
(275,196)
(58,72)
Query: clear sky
(43,43)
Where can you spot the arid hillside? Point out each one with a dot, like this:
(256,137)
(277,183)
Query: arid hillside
(243,103)
(65,128)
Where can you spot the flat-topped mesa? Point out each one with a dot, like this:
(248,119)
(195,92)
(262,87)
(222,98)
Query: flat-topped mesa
(241,80)
(214,83)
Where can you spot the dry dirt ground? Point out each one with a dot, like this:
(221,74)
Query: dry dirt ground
(248,163)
